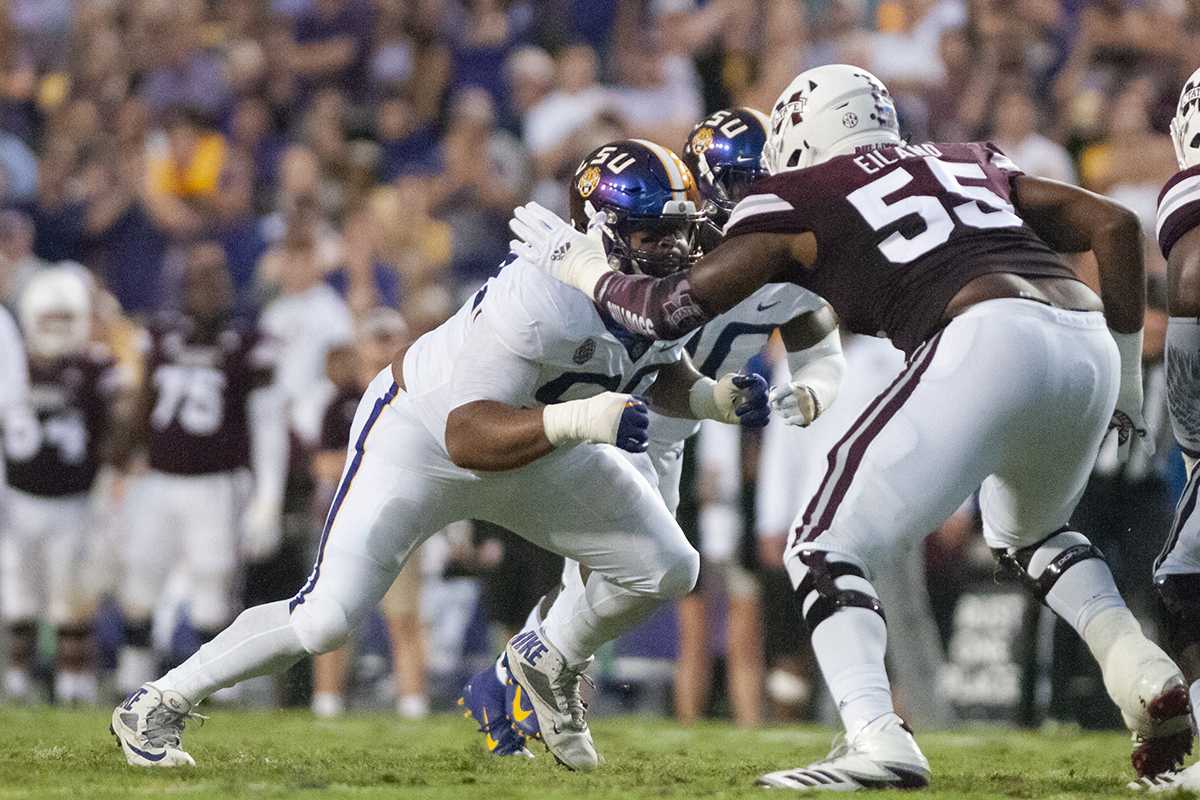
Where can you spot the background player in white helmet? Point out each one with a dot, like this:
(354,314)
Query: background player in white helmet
(53,448)
(1013,381)
(1177,570)
(508,412)
(723,151)
(210,410)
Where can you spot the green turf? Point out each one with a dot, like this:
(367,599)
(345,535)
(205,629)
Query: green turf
(46,753)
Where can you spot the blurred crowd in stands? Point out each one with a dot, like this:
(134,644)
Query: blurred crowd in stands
(342,157)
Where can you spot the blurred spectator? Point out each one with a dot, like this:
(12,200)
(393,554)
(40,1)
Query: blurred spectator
(659,93)
(1132,161)
(330,44)
(1014,129)
(17,260)
(406,141)
(574,104)
(363,280)
(18,170)
(530,73)
(307,318)
(482,33)
(180,72)
(410,239)
(486,174)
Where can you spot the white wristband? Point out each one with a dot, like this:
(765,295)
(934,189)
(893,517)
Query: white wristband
(701,399)
(595,419)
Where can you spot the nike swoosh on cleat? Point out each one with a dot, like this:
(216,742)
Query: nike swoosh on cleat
(491,743)
(764,307)
(519,714)
(145,755)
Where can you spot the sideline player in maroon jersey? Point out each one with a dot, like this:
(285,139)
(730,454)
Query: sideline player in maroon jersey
(1177,570)
(209,411)
(53,447)
(1012,379)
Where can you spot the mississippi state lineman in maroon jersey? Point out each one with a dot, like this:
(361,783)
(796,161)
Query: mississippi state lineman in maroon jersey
(209,412)
(1011,382)
(53,447)
(1177,570)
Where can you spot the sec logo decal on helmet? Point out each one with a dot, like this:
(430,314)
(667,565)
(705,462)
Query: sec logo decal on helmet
(588,181)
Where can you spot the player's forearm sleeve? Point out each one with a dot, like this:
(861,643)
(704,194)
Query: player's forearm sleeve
(661,308)
(268,440)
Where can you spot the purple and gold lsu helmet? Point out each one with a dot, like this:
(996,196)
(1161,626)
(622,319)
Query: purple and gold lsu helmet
(649,203)
(724,153)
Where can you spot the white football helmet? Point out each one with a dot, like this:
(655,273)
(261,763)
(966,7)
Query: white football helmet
(1185,127)
(55,308)
(828,111)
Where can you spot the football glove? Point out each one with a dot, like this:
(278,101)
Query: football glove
(1128,424)
(816,374)
(737,399)
(608,418)
(556,248)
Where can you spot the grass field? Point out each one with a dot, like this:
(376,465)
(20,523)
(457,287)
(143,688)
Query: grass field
(70,754)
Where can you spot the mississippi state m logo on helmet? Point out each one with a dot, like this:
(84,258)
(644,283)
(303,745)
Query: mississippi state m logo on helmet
(588,181)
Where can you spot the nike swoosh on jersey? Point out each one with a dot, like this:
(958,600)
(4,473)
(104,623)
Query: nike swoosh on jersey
(762,307)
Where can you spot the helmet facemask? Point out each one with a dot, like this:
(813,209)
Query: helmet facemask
(655,246)
(1185,127)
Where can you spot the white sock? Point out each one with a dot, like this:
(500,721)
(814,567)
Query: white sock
(1084,590)
(584,617)
(413,706)
(850,647)
(75,686)
(17,684)
(328,704)
(259,642)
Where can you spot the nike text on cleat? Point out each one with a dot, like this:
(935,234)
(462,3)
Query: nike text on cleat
(484,700)
(551,687)
(149,727)
(883,755)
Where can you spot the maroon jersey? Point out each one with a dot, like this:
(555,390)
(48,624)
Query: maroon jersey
(1178,208)
(54,449)
(899,231)
(199,391)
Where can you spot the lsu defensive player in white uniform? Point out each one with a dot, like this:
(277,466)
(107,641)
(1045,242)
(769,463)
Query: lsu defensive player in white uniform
(723,152)
(508,412)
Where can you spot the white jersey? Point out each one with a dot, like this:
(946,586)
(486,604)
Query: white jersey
(543,322)
(728,341)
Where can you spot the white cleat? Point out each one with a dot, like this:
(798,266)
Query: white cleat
(883,755)
(149,727)
(552,686)
(1186,780)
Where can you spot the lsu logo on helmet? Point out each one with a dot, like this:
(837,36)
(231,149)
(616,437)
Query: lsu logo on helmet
(588,181)
(702,140)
